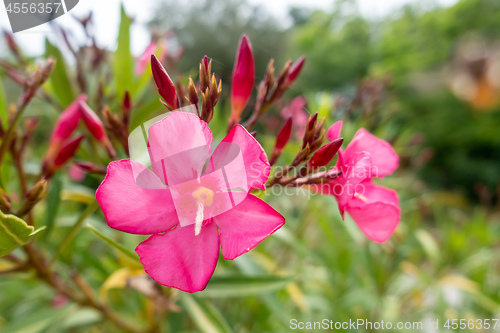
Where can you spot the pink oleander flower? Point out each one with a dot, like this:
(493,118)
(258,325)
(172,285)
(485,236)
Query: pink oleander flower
(375,209)
(192,202)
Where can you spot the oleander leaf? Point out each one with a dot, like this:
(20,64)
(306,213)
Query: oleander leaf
(14,232)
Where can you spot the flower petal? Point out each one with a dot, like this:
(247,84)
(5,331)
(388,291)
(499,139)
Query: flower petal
(368,192)
(354,172)
(181,142)
(245,226)
(376,220)
(384,158)
(335,130)
(252,171)
(137,205)
(180,259)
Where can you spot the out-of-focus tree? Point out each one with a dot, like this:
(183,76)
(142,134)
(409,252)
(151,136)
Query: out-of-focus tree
(337,46)
(213,27)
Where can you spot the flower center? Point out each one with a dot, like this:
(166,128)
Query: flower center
(204,197)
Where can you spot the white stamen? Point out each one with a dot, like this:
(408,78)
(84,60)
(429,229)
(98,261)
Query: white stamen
(199,218)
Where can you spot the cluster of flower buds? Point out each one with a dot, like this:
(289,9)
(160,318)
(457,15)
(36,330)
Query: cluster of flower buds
(209,89)
(119,126)
(62,147)
(311,152)
(173,99)
(270,89)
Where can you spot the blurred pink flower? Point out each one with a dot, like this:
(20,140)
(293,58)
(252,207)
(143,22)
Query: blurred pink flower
(75,173)
(299,115)
(375,209)
(190,206)
(145,58)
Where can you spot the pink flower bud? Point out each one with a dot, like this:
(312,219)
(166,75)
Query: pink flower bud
(284,134)
(93,123)
(67,122)
(166,87)
(96,127)
(295,69)
(325,154)
(67,152)
(64,127)
(243,79)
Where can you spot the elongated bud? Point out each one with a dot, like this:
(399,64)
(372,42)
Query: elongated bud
(281,141)
(126,107)
(295,69)
(284,134)
(64,128)
(67,152)
(243,79)
(96,128)
(166,87)
(13,46)
(205,68)
(193,93)
(325,154)
(32,197)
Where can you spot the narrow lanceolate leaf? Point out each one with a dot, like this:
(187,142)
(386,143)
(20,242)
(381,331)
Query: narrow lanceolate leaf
(205,315)
(111,242)
(53,201)
(123,61)
(241,286)
(14,232)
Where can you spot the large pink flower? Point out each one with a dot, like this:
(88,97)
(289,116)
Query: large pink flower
(192,202)
(375,209)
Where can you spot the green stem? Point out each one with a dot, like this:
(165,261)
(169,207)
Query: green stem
(10,132)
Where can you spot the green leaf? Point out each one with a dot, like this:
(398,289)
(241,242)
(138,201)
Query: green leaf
(240,286)
(59,83)
(111,242)
(14,232)
(123,62)
(53,201)
(206,316)
(3,104)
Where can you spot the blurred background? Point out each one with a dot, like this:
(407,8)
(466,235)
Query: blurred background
(423,75)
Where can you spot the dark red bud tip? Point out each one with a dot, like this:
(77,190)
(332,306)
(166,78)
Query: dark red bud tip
(325,154)
(127,104)
(68,151)
(284,134)
(254,134)
(166,87)
(205,61)
(312,122)
(295,69)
